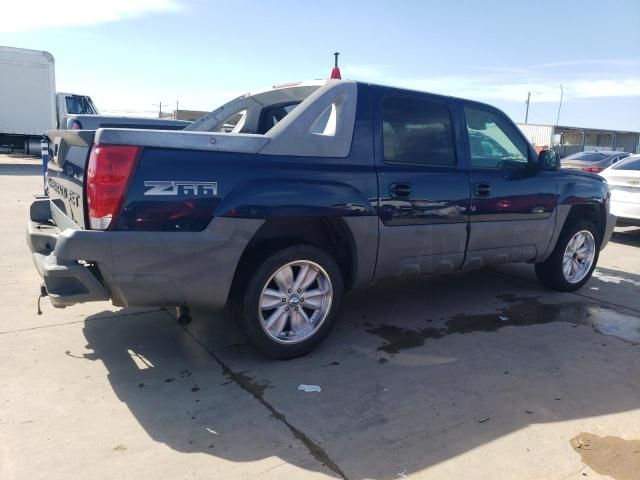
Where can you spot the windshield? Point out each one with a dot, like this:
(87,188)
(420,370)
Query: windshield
(79,105)
(588,156)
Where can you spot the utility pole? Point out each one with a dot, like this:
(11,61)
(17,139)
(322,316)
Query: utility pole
(175,117)
(526,115)
(560,105)
(159,105)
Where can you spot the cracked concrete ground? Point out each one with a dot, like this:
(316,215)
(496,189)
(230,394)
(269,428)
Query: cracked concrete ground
(481,375)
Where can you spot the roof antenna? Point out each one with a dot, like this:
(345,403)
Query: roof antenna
(335,73)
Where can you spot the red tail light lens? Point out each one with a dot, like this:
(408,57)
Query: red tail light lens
(592,169)
(110,168)
(76,125)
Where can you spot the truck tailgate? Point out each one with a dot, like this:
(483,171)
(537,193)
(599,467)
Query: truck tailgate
(66,174)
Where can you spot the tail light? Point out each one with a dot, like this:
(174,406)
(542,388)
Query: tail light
(76,125)
(592,169)
(108,174)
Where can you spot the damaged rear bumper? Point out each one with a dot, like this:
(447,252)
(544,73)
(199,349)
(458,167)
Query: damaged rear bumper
(611,223)
(68,280)
(137,268)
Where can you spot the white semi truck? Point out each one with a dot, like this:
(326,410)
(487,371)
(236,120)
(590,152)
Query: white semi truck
(30,106)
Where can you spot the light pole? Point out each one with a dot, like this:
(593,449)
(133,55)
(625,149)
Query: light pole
(560,105)
(526,114)
(159,105)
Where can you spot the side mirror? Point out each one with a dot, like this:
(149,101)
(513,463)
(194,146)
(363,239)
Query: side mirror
(548,161)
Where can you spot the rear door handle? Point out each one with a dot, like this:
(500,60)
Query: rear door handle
(481,189)
(400,189)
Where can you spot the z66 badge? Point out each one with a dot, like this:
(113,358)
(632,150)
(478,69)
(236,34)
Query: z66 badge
(175,187)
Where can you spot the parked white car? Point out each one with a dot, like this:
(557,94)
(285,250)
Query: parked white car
(624,184)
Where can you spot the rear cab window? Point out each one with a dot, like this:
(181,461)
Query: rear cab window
(271,115)
(417,131)
(79,105)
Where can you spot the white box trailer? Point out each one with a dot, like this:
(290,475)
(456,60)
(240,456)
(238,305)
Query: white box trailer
(27,97)
(538,135)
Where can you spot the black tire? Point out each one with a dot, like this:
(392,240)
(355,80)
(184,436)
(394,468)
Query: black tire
(247,309)
(550,272)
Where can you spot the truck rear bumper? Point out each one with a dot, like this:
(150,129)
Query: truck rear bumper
(611,223)
(137,268)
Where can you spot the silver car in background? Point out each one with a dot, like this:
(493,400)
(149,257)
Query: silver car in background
(593,161)
(624,184)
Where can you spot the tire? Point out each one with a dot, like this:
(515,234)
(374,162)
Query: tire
(551,272)
(266,306)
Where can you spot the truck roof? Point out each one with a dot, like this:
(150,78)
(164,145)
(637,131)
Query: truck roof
(16,52)
(292,92)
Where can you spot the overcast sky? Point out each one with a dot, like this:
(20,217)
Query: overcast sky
(131,54)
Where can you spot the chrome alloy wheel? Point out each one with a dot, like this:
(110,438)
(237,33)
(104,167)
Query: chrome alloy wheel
(578,256)
(295,301)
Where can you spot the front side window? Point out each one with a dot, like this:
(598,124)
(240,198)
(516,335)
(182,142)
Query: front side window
(493,141)
(416,131)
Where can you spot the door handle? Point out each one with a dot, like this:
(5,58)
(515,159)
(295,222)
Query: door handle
(481,189)
(400,189)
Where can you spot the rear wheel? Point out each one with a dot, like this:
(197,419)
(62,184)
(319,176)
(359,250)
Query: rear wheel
(292,301)
(573,260)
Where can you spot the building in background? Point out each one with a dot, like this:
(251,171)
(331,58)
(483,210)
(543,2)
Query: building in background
(190,115)
(568,140)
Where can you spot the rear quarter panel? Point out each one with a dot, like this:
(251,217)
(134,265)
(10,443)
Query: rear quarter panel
(247,186)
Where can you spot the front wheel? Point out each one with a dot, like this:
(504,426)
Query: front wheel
(292,301)
(573,260)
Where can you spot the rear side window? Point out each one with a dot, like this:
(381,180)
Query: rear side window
(493,141)
(417,131)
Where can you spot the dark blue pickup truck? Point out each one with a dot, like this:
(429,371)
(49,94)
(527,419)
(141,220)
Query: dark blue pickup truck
(278,202)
